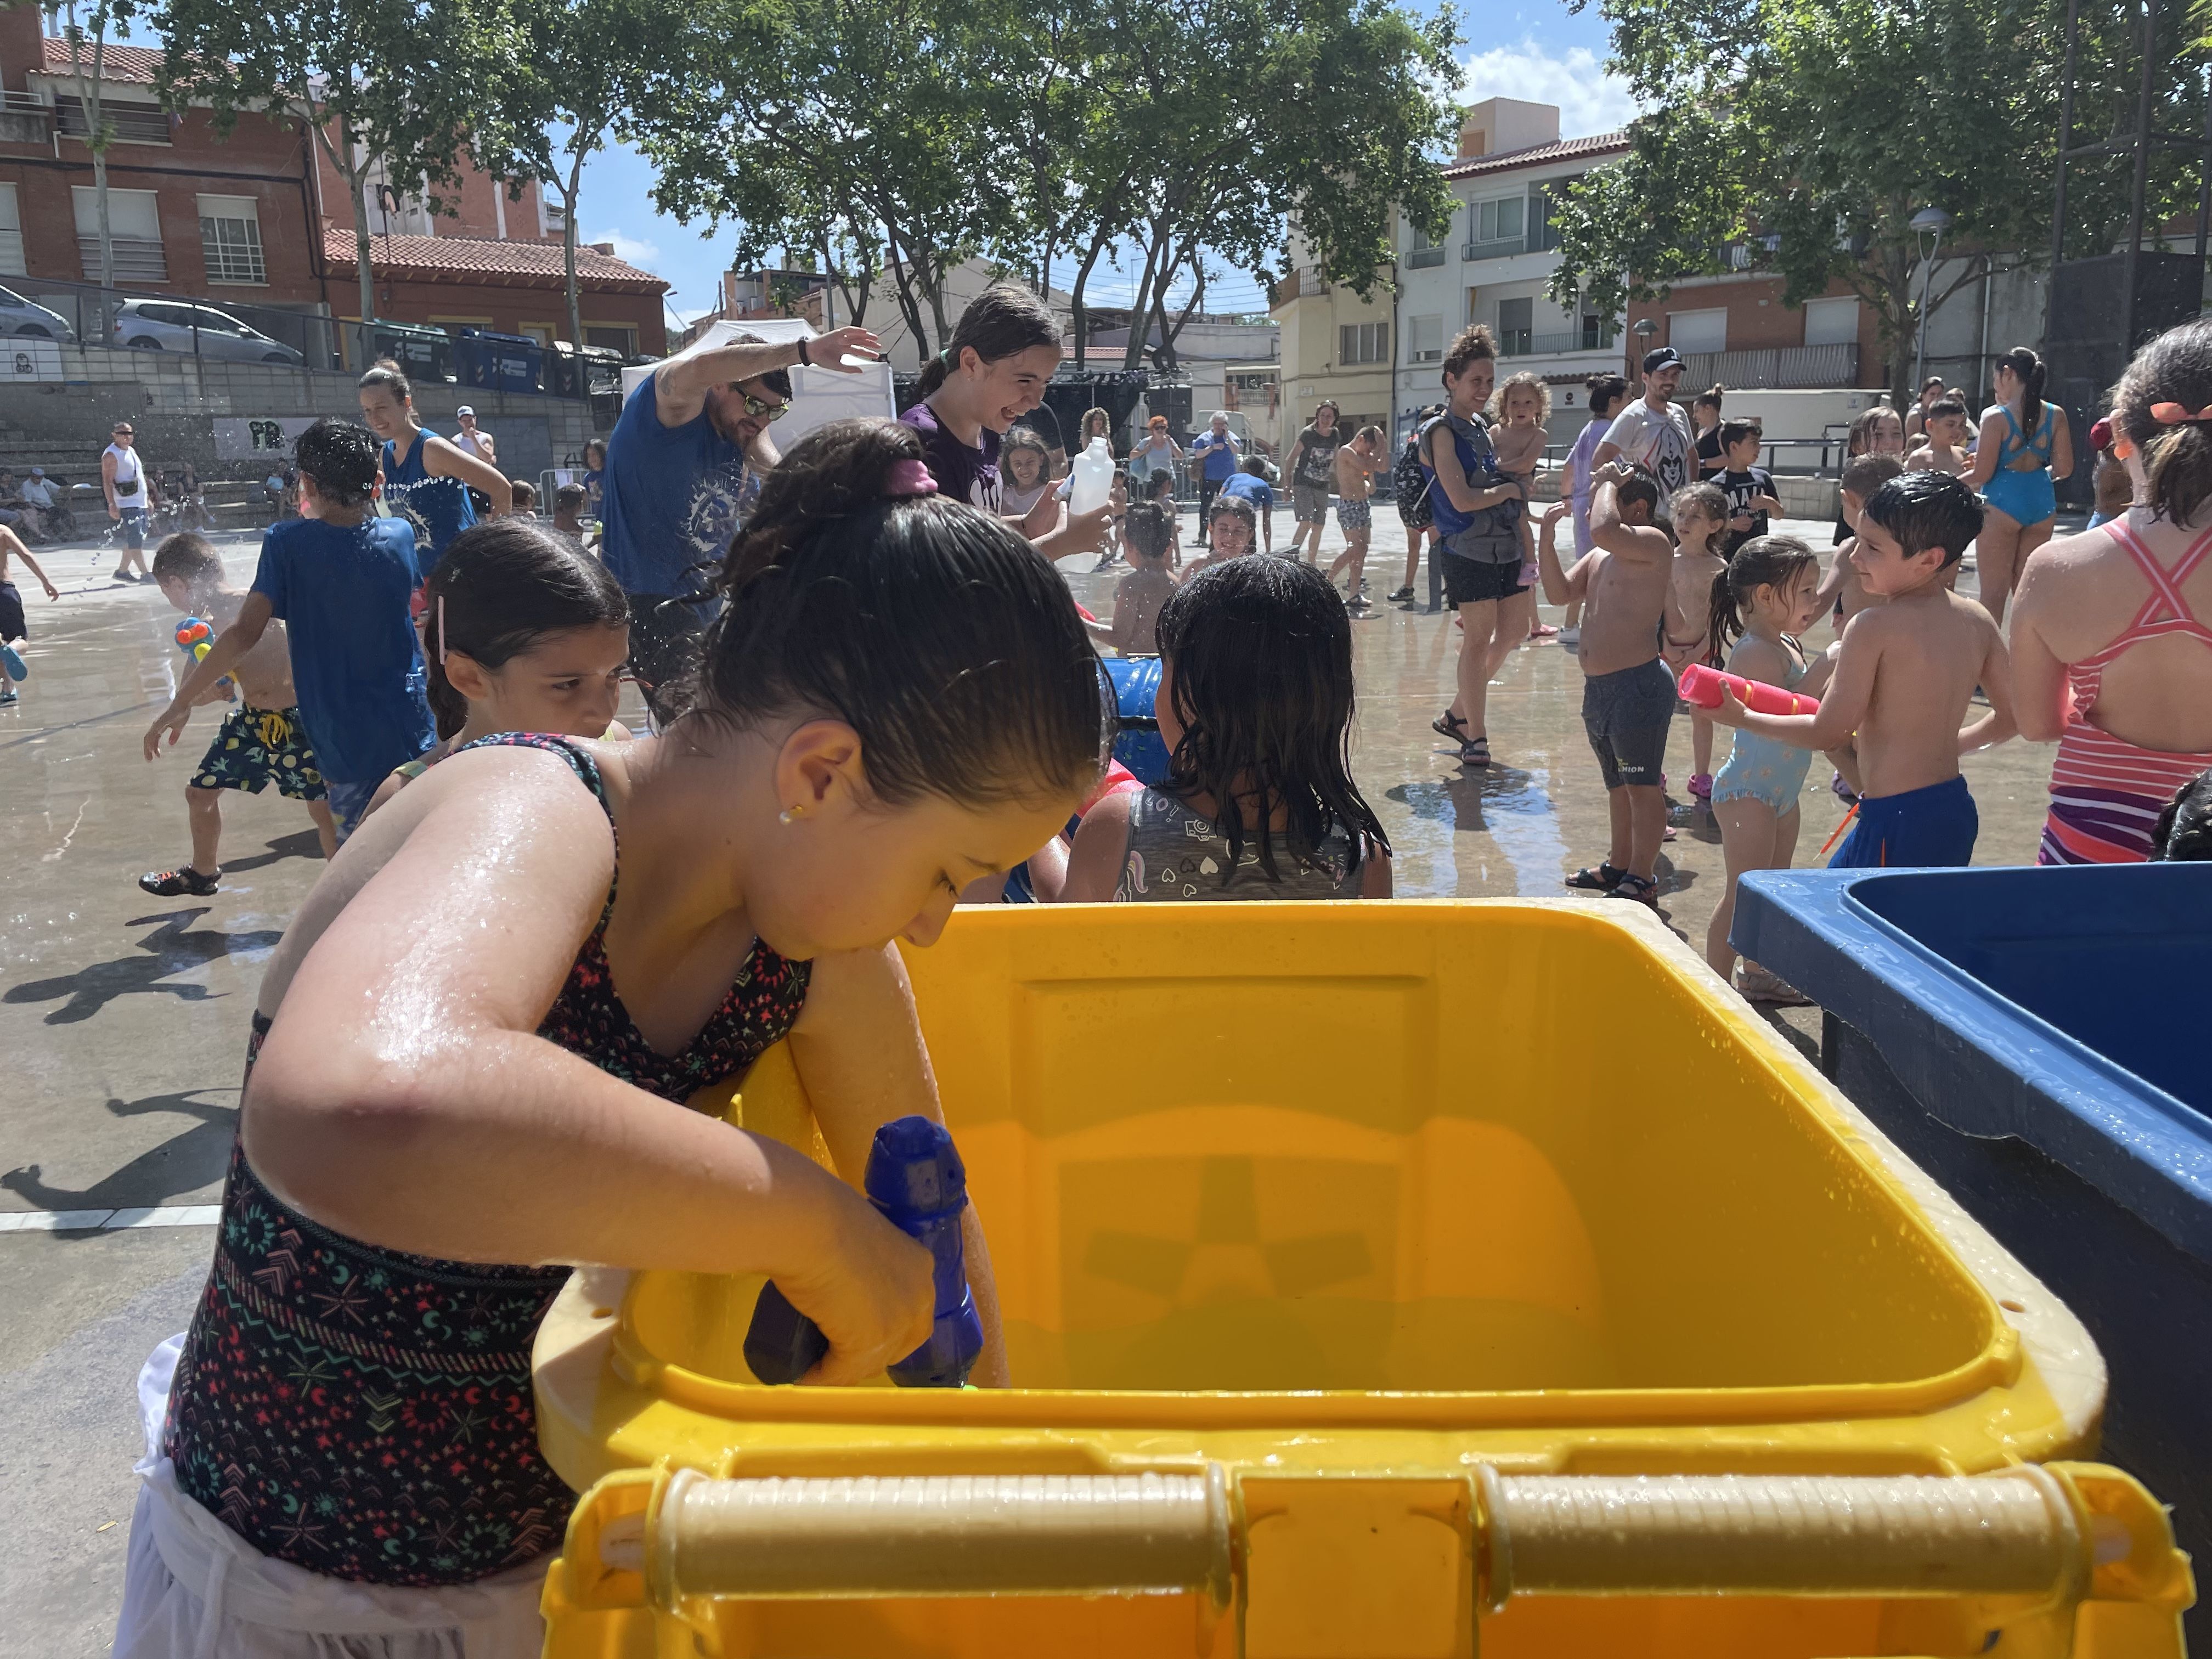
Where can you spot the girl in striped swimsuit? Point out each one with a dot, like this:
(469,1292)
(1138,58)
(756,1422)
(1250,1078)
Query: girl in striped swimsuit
(2109,655)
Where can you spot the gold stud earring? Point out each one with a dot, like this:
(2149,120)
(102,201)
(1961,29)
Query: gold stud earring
(789,815)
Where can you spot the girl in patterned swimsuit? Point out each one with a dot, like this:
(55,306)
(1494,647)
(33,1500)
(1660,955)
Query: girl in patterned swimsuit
(1254,707)
(1763,601)
(477,1073)
(522,631)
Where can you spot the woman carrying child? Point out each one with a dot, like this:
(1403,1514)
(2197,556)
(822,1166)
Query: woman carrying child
(2111,653)
(474,1045)
(1757,608)
(1255,709)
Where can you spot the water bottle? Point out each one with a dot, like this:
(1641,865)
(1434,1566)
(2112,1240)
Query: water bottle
(1091,480)
(917,1179)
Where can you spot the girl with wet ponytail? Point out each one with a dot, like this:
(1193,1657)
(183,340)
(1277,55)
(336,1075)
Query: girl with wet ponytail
(2025,446)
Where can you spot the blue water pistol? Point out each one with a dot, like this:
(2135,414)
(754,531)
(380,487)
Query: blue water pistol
(917,1179)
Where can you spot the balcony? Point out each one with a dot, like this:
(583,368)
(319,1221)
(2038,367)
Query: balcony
(1520,343)
(1775,367)
(1503,247)
(1421,259)
(25,119)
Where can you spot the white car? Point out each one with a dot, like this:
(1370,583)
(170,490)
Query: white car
(178,326)
(26,317)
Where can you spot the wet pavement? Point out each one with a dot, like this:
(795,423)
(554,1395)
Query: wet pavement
(123,1017)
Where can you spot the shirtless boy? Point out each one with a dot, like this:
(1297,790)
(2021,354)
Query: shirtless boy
(1627,588)
(13,629)
(1701,514)
(1905,679)
(262,741)
(1357,464)
(1943,443)
(1841,587)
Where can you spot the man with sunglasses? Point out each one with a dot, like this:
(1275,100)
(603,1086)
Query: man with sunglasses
(683,466)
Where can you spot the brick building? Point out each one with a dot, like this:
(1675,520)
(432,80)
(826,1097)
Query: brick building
(260,220)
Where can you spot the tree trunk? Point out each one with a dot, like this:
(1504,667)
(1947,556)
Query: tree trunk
(358,184)
(569,271)
(1169,336)
(1141,304)
(95,139)
(1082,316)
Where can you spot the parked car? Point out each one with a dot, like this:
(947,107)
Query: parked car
(177,326)
(20,316)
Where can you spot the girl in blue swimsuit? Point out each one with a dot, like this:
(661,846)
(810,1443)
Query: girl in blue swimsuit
(2024,449)
(1766,597)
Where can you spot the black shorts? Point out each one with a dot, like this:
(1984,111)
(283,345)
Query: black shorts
(1470,581)
(666,634)
(1626,714)
(12,625)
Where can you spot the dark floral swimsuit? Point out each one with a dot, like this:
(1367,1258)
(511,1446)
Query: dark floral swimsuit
(368,1414)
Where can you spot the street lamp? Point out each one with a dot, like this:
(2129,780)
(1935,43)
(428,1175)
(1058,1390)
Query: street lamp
(1929,221)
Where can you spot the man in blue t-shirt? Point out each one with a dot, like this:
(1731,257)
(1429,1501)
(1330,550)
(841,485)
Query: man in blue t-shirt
(1216,449)
(340,579)
(683,468)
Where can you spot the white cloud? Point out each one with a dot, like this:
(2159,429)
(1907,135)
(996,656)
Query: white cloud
(1590,100)
(632,249)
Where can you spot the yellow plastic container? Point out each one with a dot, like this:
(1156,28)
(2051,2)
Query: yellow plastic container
(1379,1240)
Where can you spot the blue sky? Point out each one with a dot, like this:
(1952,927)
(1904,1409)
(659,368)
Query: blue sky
(1540,51)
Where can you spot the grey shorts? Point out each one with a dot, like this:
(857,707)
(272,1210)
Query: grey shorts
(1626,714)
(1354,515)
(1311,502)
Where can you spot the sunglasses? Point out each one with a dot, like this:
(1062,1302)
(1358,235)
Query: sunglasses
(758,409)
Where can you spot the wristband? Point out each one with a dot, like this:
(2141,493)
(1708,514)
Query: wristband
(805,358)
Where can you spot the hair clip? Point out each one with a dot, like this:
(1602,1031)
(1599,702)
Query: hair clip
(907,478)
(2178,415)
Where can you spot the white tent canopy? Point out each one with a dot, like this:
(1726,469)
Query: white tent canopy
(819,396)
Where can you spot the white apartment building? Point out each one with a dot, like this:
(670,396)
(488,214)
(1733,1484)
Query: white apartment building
(1493,264)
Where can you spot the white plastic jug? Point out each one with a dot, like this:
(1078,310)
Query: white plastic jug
(1090,479)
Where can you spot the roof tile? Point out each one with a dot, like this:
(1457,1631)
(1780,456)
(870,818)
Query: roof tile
(475,259)
(117,62)
(1566,150)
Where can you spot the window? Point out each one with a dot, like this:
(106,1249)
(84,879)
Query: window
(612,336)
(1597,333)
(1364,342)
(230,239)
(134,232)
(1423,252)
(1543,235)
(1427,340)
(541,332)
(11,234)
(132,124)
(1494,227)
(1693,331)
(1831,322)
(1517,327)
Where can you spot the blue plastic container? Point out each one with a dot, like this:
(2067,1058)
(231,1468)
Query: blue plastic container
(2037,1040)
(498,362)
(1137,743)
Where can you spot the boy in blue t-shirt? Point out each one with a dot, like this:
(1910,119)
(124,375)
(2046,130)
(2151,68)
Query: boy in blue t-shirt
(340,579)
(1250,481)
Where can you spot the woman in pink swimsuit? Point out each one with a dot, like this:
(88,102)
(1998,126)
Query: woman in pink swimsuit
(2109,656)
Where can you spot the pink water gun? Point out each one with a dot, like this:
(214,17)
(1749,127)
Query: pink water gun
(1702,686)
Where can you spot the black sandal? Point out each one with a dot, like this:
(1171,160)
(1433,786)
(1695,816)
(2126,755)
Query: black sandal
(1475,751)
(1638,889)
(1602,879)
(1450,724)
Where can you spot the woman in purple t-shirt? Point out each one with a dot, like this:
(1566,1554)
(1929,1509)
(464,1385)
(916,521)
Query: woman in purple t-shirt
(1003,353)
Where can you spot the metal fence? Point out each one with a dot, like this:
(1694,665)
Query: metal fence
(1777,367)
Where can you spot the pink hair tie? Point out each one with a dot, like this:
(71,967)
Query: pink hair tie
(908,478)
(2178,415)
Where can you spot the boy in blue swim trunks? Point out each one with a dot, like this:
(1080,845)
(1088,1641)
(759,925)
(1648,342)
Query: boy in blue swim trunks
(1905,679)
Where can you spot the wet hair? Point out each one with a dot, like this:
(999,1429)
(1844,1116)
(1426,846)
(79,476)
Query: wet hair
(2176,368)
(1734,432)
(1641,488)
(570,496)
(387,376)
(1605,390)
(949,644)
(1864,474)
(1709,399)
(1162,486)
(1524,380)
(188,557)
(1471,344)
(1025,437)
(342,457)
(502,587)
(1861,438)
(1763,562)
(1259,657)
(1708,501)
(1377,432)
(1939,409)
(1236,507)
(2030,369)
(2183,833)
(1003,320)
(524,493)
(1927,509)
(1252,464)
(1149,529)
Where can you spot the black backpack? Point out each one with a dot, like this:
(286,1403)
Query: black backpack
(1407,477)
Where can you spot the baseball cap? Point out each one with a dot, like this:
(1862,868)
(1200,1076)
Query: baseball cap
(37,473)
(2100,435)
(1664,357)
(463,410)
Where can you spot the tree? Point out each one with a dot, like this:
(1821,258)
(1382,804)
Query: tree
(569,71)
(388,82)
(99,133)
(1808,134)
